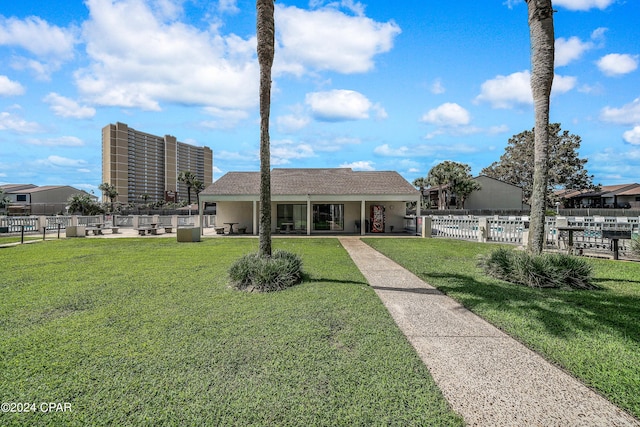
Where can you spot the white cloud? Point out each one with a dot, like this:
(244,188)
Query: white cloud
(386,150)
(514,89)
(138,61)
(584,4)
(628,114)
(14,123)
(283,151)
(38,37)
(9,87)
(63,141)
(569,50)
(437,88)
(327,39)
(563,84)
(507,91)
(616,64)
(362,165)
(291,123)
(338,105)
(632,136)
(51,45)
(63,162)
(448,114)
(65,107)
(224,118)
(228,6)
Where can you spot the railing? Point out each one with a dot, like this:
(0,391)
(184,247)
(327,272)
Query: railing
(54,221)
(90,220)
(506,231)
(455,228)
(14,224)
(587,238)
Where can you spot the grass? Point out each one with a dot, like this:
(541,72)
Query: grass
(147,332)
(595,335)
(16,238)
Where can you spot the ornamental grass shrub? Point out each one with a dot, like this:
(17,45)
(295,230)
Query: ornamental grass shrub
(538,271)
(635,245)
(254,273)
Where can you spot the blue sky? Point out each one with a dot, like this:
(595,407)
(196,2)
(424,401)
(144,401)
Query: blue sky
(372,85)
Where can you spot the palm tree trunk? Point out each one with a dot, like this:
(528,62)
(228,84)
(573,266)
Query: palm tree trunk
(542,57)
(266,49)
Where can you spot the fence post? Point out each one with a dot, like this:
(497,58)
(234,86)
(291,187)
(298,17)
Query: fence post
(426,226)
(483,229)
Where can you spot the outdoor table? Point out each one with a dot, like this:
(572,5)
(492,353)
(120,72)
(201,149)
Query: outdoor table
(614,236)
(231,224)
(569,231)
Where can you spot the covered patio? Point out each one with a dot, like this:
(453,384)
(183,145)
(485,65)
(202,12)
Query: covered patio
(314,201)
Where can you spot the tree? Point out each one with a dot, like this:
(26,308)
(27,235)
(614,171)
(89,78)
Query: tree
(188,179)
(109,191)
(451,178)
(542,56)
(265,28)
(84,204)
(4,200)
(421,184)
(566,169)
(198,186)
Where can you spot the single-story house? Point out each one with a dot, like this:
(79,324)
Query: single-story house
(608,196)
(492,195)
(28,199)
(314,200)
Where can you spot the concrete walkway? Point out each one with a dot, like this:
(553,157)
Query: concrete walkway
(489,378)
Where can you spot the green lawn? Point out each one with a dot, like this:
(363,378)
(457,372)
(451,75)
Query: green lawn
(147,332)
(595,335)
(16,238)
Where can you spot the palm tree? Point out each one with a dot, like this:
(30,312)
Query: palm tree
(542,56)
(109,191)
(187,178)
(4,200)
(265,28)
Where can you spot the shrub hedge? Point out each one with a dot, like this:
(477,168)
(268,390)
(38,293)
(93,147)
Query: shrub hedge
(549,270)
(252,272)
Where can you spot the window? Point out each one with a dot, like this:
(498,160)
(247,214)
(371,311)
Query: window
(294,215)
(21,198)
(328,217)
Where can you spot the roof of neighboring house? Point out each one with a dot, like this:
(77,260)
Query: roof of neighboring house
(608,191)
(10,188)
(633,191)
(435,188)
(341,181)
(47,188)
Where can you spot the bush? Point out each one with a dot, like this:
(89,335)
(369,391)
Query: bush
(541,271)
(255,273)
(635,245)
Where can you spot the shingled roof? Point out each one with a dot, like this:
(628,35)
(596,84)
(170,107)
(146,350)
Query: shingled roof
(341,181)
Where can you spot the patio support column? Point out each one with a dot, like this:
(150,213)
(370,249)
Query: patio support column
(200,215)
(308,215)
(363,214)
(254,217)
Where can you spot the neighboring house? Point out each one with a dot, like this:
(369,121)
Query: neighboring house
(493,195)
(28,199)
(608,196)
(314,200)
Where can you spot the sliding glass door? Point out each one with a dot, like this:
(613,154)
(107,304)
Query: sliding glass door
(292,217)
(328,217)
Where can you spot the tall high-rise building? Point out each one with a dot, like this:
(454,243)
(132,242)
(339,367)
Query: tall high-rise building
(138,164)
